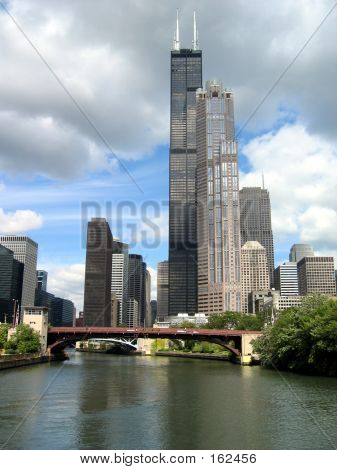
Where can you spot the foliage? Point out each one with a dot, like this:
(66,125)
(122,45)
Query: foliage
(235,321)
(24,341)
(185,324)
(303,339)
(4,327)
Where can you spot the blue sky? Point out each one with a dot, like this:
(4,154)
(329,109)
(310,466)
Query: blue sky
(114,62)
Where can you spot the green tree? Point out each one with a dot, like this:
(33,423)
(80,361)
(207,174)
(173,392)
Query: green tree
(303,339)
(24,341)
(235,321)
(3,334)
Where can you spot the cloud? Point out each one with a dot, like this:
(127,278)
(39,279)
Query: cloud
(153,273)
(114,60)
(299,171)
(19,221)
(67,282)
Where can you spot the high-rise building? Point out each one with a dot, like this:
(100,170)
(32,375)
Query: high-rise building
(299,251)
(119,278)
(255,221)
(98,265)
(61,312)
(11,279)
(162,288)
(316,274)
(25,251)
(41,277)
(254,271)
(148,316)
(133,313)
(153,311)
(286,279)
(137,289)
(186,78)
(218,218)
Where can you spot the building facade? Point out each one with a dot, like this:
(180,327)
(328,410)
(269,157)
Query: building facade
(299,251)
(11,279)
(133,313)
(119,278)
(41,279)
(286,279)
(162,288)
(186,78)
(316,274)
(98,265)
(148,315)
(254,271)
(61,312)
(37,319)
(25,251)
(218,202)
(255,222)
(137,288)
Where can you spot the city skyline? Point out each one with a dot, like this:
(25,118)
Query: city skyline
(53,195)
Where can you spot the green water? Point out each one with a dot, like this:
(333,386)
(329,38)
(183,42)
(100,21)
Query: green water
(96,401)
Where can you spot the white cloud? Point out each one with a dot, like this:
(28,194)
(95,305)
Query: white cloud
(67,282)
(19,221)
(114,60)
(299,170)
(153,273)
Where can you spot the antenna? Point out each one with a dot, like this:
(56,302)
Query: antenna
(176,41)
(195,41)
(262,180)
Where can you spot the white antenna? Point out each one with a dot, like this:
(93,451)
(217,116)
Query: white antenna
(176,42)
(195,42)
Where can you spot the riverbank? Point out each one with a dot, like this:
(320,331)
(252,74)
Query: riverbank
(214,357)
(8,362)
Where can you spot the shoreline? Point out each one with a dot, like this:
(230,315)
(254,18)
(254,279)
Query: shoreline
(29,361)
(214,357)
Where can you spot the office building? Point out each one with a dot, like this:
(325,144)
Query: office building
(299,251)
(37,319)
(41,279)
(186,78)
(61,312)
(272,300)
(255,222)
(119,278)
(218,202)
(137,287)
(153,311)
(11,279)
(133,313)
(98,265)
(286,279)
(254,271)
(162,288)
(25,251)
(316,274)
(148,316)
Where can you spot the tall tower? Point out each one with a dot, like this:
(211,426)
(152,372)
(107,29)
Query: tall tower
(97,284)
(119,279)
(137,287)
(162,289)
(186,78)
(254,270)
(218,202)
(255,220)
(25,251)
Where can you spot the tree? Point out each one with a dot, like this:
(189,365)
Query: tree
(235,321)
(3,334)
(25,340)
(303,339)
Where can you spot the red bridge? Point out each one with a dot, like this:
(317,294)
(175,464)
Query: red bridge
(236,341)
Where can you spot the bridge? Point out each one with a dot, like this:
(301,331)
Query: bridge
(235,341)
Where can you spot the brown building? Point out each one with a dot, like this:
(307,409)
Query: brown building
(316,274)
(97,287)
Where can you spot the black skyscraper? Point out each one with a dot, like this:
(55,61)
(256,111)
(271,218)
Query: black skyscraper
(137,285)
(11,278)
(186,78)
(97,287)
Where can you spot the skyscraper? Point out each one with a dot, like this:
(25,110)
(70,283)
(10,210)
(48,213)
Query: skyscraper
(25,251)
(162,288)
(219,245)
(254,271)
(97,286)
(316,274)
(42,277)
(299,251)
(255,221)
(286,279)
(148,315)
(11,278)
(119,278)
(186,78)
(137,288)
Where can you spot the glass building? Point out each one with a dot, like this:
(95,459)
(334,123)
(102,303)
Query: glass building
(218,202)
(186,78)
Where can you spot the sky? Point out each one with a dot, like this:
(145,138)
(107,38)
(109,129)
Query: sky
(84,119)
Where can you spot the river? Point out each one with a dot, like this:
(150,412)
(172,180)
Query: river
(97,401)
